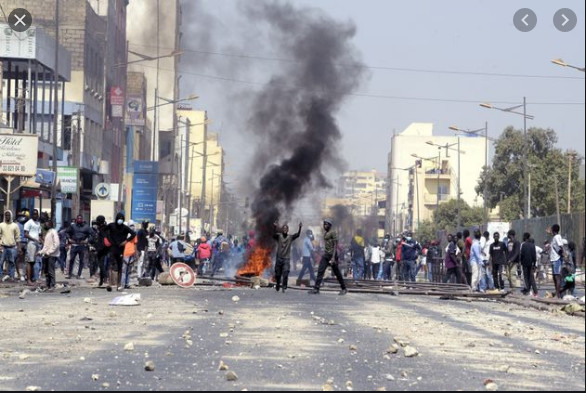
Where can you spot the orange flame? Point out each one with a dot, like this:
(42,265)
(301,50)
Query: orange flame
(258,261)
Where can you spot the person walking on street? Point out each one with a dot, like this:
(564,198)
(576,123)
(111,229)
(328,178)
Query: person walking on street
(141,246)
(118,235)
(307,254)
(63,246)
(283,263)
(50,251)
(9,238)
(498,259)
(330,258)
(153,255)
(528,259)
(514,252)
(79,235)
(129,255)
(357,246)
(102,247)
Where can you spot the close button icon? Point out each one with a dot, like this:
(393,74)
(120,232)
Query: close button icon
(20,20)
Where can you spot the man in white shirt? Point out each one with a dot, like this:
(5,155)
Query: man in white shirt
(555,256)
(32,232)
(486,280)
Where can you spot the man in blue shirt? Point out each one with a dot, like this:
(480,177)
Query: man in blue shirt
(307,255)
(476,260)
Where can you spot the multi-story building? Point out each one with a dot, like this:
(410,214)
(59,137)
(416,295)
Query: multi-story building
(27,92)
(418,185)
(363,189)
(153,31)
(84,33)
(203,176)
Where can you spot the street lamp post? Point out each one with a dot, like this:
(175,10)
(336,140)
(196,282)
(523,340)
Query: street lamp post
(448,147)
(486,139)
(187,165)
(562,63)
(414,168)
(525,147)
(154,134)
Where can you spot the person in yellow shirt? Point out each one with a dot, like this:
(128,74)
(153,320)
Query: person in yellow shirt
(9,236)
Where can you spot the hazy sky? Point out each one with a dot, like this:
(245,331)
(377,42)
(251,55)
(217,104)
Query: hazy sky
(454,44)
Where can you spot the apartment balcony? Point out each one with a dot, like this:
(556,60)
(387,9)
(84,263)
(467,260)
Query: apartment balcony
(431,199)
(444,174)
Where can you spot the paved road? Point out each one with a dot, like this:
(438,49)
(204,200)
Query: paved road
(276,341)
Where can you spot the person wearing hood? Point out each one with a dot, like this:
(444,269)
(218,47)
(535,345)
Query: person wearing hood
(329,259)
(9,238)
(102,247)
(118,235)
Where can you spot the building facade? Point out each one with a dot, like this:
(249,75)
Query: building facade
(422,175)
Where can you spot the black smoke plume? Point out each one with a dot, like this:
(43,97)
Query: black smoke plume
(295,113)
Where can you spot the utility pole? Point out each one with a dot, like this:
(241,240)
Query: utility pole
(557,200)
(484,191)
(439,164)
(459,189)
(525,147)
(212,202)
(571,157)
(203,179)
(55,114)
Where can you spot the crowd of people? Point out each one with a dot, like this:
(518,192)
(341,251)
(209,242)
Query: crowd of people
(476,259)
(112,252)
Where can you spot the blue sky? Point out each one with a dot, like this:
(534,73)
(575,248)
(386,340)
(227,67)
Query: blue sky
(457,36)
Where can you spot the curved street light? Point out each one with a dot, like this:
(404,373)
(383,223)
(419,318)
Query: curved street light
(527,212)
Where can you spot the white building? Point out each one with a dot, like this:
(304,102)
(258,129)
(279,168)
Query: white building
(417,186)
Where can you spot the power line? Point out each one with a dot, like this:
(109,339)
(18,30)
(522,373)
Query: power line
(372,95)
(382,68)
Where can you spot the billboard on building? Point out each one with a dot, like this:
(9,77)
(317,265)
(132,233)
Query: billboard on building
(69,179)
(135,111)
(117,101)
(18,154)
(144,191)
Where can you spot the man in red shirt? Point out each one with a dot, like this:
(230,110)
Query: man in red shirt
(204,254)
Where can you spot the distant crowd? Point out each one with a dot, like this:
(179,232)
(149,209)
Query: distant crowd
(32,249)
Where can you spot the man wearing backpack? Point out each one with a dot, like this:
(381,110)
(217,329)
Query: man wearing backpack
(177,249)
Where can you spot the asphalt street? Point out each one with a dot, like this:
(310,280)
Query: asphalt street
(276,341)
